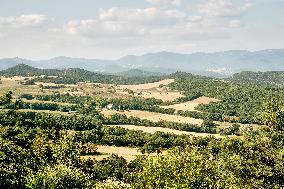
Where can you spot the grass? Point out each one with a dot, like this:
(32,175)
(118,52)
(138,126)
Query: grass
(152,130)
(191,105)
(105,151)
(153,90)
(154,116)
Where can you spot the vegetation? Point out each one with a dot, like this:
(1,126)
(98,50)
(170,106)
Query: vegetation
(73,76)
(239,103)
(44,150)
(266,79)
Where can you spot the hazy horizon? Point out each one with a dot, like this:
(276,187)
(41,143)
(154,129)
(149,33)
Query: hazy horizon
(138,55)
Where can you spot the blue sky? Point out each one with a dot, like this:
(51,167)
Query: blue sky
(110,29)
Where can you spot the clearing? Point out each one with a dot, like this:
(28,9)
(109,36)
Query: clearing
(154,116)
(191,105)
(147,86)
(158,90)
(153,130)
(127,153)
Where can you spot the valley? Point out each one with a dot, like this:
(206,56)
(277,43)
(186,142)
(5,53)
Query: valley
(132,119)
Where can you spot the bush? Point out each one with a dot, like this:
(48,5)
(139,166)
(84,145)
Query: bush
(59,177)
(27,96)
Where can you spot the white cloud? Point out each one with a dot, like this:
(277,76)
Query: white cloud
(118,31)
(114,32)
(125,22)
(30,20)
(235,23)
(222,8)
(166,2)
(142,16)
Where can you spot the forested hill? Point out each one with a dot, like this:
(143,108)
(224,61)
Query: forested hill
(74,75)
(266,79)
(25,70)
(139,73)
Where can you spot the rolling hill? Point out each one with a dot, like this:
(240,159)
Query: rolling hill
(74,75)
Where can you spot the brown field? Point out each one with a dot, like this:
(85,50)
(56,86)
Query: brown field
(152,130)
(14,84)
(152,90)
(153,116)
(190,105)
(147,85)
(127,153)
(164,96)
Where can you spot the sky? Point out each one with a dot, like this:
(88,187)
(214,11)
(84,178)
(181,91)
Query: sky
(110,29)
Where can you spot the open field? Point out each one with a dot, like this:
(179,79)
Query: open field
(147,85)
(152,130)
(84,89)
(190,105)
(128,153)
(153,116)
(149,90)
(17,87)
(153,90)
(163,95)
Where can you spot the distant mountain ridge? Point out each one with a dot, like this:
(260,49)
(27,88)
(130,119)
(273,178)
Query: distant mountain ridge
(219,63)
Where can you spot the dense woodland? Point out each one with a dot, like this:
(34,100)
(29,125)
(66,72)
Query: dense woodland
(43,150)
(266,79)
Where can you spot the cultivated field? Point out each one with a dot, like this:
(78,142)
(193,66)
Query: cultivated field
(163,95)
(153,116)
(105,151)
(153,90)
(147,86)
(152,130)
(190,105)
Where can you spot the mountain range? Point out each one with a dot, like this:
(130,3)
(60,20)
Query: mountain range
(212,64)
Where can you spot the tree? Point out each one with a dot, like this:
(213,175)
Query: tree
(273,115)
(60,177)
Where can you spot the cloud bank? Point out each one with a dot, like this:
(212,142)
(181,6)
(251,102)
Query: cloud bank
(208,25)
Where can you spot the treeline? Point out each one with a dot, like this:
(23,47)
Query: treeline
(131,103)
(63,98)
(73,76)
(266,79)
(206,127)
(44,106)
(138,103)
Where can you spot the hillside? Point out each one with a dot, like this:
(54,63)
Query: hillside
(138,73)
(74,75)
(220,63)
(268,79)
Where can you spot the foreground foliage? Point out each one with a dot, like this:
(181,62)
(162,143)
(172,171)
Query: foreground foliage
(43,151)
